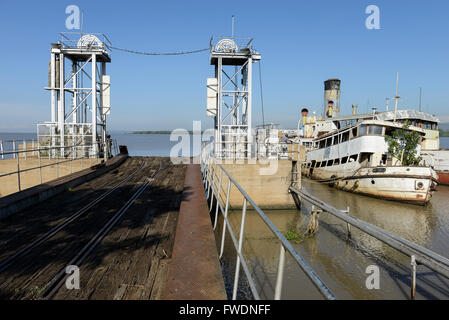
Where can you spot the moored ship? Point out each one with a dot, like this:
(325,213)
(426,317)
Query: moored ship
(356,159)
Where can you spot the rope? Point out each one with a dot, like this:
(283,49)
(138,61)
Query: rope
(160,53)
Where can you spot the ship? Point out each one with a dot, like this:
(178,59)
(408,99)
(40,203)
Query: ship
(356,159)
(344,151)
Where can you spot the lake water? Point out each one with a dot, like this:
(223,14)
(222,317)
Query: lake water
(341,263)
(151,144)
(138,144)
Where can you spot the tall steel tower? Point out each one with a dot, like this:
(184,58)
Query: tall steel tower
(229,96)
(80,95)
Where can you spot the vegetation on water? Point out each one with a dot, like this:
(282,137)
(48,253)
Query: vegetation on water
(296,236)
(402,144)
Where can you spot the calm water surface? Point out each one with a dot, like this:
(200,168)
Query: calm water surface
(138,144)
(339,262)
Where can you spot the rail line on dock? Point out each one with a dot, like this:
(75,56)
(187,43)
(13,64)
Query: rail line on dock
(50,275)
(22,252)
(55,284)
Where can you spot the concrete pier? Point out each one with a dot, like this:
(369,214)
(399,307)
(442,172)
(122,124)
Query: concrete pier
(195,272)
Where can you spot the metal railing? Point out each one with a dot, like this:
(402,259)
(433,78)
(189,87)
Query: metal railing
(212,171)
(241,42)
(15,144)
(418,254)
(70,39)
(64,154)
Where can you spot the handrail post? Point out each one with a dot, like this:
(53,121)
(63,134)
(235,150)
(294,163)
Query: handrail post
(237,265)
(18,172)
(40,165)
(210,180)
(2,149)
(57,167)
(225,218)
(280,275)
(14,147)
(348,225)
(413,285)
(212,195)
(25,149)
(218,199)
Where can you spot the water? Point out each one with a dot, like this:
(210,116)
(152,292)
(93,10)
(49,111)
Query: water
(138,144)
(340,263)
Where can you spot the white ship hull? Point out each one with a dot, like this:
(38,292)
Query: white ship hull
(407,184)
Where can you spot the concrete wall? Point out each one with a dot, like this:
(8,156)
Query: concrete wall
(266,184)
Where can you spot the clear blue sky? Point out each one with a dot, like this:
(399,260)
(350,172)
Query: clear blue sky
(302,43)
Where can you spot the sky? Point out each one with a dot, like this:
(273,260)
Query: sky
(302,43)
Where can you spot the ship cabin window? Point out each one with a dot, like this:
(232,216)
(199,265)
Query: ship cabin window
(318,164)
(322,144)
(313,164)
(344,160)
(328,142)
(330,162)
(376,130)
(353,158)
(336,162)
(345,136)
(336,139)
(323,164)
(354,133)
(365,158)
(363,130)
(389,131)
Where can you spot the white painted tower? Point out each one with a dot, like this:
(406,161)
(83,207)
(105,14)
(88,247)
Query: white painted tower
(80,96)
(229,96)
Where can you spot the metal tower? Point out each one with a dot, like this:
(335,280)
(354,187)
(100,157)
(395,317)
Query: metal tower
(229,96)
(80,95)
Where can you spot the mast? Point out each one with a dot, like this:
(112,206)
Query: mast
(396,97)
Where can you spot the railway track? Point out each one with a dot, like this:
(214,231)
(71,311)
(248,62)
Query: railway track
(53,286)
(4,264)
(30,251)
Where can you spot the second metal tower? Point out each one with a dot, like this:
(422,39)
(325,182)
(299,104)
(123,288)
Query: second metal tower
(229,96)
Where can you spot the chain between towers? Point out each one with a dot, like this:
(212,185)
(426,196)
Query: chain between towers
(160,53)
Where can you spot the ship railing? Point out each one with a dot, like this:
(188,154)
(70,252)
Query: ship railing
(214,176)
(418,255)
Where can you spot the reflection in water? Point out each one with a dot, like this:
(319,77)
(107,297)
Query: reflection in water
(341,263)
